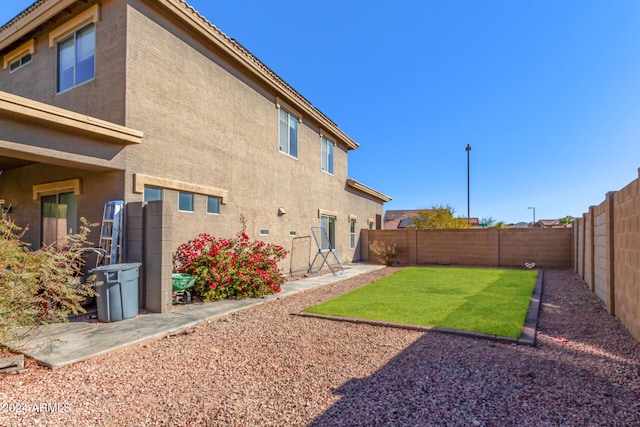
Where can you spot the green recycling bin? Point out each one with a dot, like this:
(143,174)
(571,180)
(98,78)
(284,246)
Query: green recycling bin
(118,294)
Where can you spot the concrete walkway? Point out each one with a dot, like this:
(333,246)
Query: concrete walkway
(61,344)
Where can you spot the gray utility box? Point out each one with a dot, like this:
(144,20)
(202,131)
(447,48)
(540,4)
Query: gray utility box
(118,294)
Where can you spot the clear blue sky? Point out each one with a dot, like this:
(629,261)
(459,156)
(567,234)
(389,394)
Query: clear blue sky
(546,92)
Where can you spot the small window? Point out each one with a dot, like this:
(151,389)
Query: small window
(264,232)
(293,233)
(185,202)
(19,63)
(370,224)
(328,223)
(327,156)
(288,133)
(152,193)
(76,58)
(352,233)
(213,205)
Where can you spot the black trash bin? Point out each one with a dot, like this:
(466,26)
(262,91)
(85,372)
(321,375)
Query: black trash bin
(118,294)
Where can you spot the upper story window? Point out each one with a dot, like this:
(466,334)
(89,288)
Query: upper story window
(75,44)
(19,63)
(19,57)
(288,133)
(76,58)
(327,155)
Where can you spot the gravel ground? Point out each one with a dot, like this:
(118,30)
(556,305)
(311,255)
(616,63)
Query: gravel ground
(265,367)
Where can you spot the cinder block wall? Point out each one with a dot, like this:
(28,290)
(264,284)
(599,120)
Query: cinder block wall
(464,247)
(547,248)
(626,264)
(607,255)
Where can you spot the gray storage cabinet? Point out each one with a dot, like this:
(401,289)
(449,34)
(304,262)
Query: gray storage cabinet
(118,294)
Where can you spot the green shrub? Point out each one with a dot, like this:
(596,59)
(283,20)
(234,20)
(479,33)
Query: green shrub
(39,286)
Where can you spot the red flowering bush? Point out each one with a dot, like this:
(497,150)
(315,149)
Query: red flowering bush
(226,268)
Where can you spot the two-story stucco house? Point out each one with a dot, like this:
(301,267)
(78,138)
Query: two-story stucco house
(146,101)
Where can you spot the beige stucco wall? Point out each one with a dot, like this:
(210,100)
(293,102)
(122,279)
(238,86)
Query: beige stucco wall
(205,123)
(208,125)
(102,97)
(96,188)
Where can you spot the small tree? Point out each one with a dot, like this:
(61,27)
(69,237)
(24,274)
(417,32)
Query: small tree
(491,222)
(567,220)
(40,286)
(439,217)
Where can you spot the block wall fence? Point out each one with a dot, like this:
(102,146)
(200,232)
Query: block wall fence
(491,247)
(606,243)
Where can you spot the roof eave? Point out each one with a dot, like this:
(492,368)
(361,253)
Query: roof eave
(39,112)
(367,190)
(244,58)
(42,11)
(30,19)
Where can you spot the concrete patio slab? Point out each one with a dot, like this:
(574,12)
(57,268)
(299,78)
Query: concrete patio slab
(61,344)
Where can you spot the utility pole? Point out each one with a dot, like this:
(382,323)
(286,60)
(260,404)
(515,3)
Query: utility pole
(534,214)
(468,150)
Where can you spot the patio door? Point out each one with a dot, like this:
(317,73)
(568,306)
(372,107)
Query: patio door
(328,223)
(57,216)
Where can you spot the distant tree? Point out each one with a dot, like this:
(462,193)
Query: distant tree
(438,217)
(566,220)
(491,222)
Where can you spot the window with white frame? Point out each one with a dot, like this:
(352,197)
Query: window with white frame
(352,233)
(328,224)
(185,202)
(76,58)
(213,205)
(19,63)
(327,155)
(20,56)
(288,133)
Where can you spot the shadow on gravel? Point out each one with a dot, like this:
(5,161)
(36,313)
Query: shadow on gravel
(450,380)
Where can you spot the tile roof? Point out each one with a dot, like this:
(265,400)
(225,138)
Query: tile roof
(25,12)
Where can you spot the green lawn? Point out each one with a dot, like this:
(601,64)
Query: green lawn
(492,301)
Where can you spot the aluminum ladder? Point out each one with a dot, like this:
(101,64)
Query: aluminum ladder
(111,231)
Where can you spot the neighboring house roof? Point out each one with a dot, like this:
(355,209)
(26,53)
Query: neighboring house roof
(43,10)
(395,214)
(391,224)
(395,219)
(551,223)
(367,190)
(406,223)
